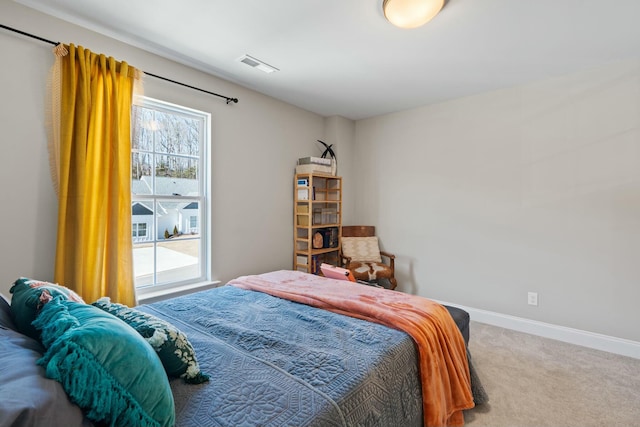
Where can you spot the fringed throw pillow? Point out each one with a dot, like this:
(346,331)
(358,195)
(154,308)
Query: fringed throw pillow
(105,367)
(29,296)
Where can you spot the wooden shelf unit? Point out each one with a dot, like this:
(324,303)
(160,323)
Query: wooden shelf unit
(317,208)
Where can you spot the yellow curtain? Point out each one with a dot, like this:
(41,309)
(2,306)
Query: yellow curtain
(94,249)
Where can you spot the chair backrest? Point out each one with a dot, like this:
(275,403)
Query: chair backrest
(358,230)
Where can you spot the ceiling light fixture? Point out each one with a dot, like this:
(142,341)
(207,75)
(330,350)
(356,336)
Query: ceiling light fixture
(411,13)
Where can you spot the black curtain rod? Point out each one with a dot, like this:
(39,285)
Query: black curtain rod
(229,100)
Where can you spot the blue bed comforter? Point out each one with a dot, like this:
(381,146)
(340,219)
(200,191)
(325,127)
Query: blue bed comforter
(278,363)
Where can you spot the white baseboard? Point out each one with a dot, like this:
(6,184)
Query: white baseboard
(593,340)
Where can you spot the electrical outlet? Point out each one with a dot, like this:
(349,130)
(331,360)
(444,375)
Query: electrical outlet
(532,298)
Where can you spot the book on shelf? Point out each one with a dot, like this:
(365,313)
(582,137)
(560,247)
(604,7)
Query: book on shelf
(333,237)
(329,237)
(315,264)
(325,240)
(314,160)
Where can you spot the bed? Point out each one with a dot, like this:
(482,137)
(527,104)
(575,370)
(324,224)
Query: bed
(277,357)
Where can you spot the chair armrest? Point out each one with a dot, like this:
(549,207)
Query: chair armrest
(391,257)
(387,254)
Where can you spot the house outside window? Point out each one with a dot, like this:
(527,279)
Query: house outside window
(169,194)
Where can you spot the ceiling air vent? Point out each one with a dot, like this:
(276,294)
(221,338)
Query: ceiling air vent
(256,63)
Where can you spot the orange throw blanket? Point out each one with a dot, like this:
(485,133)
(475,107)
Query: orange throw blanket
(444,371)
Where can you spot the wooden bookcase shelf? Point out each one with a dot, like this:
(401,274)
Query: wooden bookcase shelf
(317,221)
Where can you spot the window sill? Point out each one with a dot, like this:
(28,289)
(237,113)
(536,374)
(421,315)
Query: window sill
(151,296)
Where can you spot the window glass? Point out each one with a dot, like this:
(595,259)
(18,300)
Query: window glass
(168,194)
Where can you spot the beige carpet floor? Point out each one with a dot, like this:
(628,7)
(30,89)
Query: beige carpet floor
(538,382)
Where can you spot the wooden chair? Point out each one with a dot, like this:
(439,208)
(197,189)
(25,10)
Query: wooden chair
(360,253)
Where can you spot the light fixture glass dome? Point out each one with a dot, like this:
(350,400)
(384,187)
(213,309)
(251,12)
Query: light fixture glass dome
(411,13)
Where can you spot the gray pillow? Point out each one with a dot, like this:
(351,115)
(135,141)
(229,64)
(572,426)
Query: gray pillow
(5,314)
(28,397)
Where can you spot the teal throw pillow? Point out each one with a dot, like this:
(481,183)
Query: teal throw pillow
(29,296)
(105,367)
(171,344)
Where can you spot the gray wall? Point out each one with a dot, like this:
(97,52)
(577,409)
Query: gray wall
(533,188)
(341,133)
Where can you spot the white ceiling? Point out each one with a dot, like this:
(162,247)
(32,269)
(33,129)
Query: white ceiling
(341,57)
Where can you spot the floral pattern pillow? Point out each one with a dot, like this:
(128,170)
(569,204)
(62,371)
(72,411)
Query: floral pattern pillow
(172,345)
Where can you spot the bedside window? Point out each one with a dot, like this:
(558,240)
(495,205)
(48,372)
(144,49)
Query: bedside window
(169,194)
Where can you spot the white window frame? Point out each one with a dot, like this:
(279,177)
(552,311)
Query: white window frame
(203,199)
(137,227)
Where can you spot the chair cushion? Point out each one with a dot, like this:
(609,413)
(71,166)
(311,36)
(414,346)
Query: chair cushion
(369,271)
(361,248)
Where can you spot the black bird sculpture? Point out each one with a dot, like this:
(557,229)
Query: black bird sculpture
(327,150)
